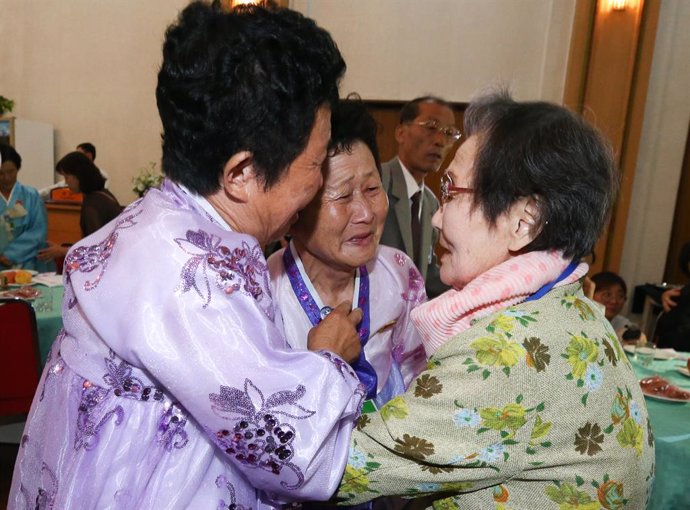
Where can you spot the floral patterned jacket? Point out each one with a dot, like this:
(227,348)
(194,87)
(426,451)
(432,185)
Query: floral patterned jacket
(535,406)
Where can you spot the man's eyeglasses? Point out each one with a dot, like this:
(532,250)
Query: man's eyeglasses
(449,191)
(434,126)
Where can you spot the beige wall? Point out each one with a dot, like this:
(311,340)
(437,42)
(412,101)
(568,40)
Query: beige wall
(399,49)
(89,68)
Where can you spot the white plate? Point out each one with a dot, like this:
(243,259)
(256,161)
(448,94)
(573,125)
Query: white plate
(14,285)
(665,399)
(31,271)
(683,371)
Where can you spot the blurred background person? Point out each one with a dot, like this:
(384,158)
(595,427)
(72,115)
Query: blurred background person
(611,291)
(23,219)
(99,205)
(424,134)
(673,327)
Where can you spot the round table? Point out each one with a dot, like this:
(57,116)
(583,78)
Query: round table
(671,427)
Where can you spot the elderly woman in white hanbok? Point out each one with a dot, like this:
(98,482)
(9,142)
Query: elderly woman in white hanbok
(335,255)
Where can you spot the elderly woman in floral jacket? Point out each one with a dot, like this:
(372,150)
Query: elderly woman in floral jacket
(528,400)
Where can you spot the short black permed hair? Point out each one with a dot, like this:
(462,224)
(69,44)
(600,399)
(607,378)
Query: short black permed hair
(251,79)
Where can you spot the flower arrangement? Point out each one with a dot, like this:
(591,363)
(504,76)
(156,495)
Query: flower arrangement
(6,105)
(148,177)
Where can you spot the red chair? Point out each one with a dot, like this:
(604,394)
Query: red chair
(19,346)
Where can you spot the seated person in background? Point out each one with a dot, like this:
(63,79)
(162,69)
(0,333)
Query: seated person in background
(99,206)
(612,292)
(23,220)
(335,256)
(89,150)
(673,327)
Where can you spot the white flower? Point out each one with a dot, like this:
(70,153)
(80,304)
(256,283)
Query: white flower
(457,460)
(491,453)
(593,377)
(428,487)
(357,459)
(466,418)
(636,412)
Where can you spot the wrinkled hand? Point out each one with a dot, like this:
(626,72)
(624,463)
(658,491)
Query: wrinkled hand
(338,333)
(667,301)
(53,251)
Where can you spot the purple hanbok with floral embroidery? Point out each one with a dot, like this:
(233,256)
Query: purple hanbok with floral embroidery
(394,288)
(172,385)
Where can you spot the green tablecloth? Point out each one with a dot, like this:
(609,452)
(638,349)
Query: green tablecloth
(671,427)
(48,308)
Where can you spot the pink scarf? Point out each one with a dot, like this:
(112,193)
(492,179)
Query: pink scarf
(502,286)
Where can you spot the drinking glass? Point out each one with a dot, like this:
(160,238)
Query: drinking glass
(644,353)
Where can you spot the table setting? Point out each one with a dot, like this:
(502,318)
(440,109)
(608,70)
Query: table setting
(44,291)
(664,376)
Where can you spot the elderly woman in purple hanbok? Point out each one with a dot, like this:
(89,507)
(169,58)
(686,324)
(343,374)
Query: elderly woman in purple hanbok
(172,384)
(334,255)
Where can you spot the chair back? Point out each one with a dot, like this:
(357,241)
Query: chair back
(19,347)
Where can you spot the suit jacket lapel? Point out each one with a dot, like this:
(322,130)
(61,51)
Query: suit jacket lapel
(398,190)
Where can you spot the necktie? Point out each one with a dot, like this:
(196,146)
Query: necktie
(416,226)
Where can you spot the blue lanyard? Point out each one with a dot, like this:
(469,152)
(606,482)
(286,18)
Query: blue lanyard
(361,366)
(546,288)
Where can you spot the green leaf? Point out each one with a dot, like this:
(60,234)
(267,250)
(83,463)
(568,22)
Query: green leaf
(485,374)
(530,450)
(538,463)
(540,407)
(584,399)
(472,368)
(373,465)
(505,456)
(580,383)
(569,376)
(468,361)
(506,371)
(482,430)
(595,484)
(609,429)
(546,444)
(519,398)
(504,433)
(510,441)
(606,477)
(579,480)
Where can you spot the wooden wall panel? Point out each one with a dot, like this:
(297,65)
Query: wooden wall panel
(608,74)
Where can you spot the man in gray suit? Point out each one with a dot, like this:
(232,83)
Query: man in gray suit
(425,132)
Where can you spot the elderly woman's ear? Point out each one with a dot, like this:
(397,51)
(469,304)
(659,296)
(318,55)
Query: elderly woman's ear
(524,222)
(238,173)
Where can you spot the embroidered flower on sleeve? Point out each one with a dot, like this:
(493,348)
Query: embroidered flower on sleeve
(497,350)
(395,408)
(593,377)
(427,386)
(356,459)
(414,447)
(467,418)
(581,351)
(492,452)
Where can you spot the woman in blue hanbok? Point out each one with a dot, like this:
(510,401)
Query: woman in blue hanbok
(23,222)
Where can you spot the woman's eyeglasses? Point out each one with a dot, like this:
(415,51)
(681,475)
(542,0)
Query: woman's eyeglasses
(450,191)
(434,126)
